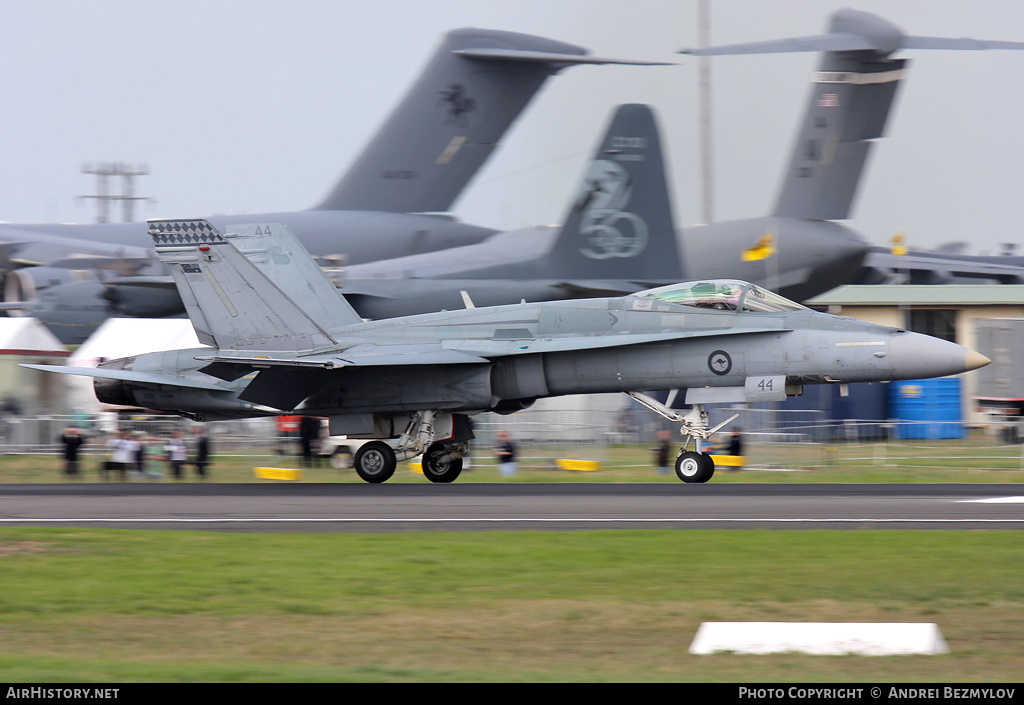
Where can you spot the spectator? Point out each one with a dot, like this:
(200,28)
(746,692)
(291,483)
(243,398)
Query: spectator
(123,455)
(201,451)
(505,452)
(661,452)
(72,441)
(176,453)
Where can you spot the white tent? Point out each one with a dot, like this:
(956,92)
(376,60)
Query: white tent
(27,336)
(28,340)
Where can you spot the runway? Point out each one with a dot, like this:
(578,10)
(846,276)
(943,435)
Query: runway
(512,506)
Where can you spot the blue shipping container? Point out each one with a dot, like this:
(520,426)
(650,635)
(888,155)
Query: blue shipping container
(935,403)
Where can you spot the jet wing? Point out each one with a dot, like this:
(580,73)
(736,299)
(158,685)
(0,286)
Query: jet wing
(129,376)
(368,355)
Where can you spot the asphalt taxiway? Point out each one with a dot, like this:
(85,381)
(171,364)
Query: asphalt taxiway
(512,506)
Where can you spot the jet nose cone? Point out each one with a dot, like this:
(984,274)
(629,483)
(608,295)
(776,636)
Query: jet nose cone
(975,360)
(916,356)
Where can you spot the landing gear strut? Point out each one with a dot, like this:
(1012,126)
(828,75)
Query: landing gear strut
(695,465)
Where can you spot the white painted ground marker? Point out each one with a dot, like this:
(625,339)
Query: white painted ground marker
(862,638)
(996,500)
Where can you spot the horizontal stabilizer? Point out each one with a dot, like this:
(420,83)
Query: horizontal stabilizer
(549,57)
(854,31)
(958,43)
(128,376)
(821,42)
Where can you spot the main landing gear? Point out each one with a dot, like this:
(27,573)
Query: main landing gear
(442,460)
(695,465)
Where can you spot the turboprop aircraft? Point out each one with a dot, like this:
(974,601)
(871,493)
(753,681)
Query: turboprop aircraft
(282,339)
(390,203)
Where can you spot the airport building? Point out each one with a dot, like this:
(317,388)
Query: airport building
(952,312)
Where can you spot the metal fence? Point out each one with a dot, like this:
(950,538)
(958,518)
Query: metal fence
(772,438)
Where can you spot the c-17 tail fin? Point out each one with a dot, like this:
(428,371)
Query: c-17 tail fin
(620,224)
(240,289)
(452,119)
(851,97)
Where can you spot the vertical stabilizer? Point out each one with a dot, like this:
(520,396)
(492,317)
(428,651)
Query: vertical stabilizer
(851,98)
(277,253)
(232,304)
(620,224)
(451,120)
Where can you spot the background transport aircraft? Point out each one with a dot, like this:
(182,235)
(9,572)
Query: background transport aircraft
(850,101)
(389,203)
(882,266)
(416,380)
(798,249)
(618,237)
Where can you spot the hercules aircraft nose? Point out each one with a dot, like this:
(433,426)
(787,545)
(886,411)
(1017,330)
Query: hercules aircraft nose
(913,355)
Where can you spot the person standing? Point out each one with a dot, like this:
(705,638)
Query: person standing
(123,454)
(505,452)
(201,451)
(72,440)
(661,451)
(309,437)
(153,458)
(177,453)
(736,447)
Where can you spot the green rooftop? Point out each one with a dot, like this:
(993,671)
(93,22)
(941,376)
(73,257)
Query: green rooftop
(922,294)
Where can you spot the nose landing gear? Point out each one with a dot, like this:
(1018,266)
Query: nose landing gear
(695,465)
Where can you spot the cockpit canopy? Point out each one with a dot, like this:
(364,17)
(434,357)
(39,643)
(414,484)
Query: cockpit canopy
(722,295)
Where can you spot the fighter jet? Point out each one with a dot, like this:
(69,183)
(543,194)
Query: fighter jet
(281,339)
(390,202)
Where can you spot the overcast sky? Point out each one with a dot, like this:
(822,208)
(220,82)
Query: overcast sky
(245,106)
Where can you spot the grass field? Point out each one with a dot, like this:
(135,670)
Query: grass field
(121,606)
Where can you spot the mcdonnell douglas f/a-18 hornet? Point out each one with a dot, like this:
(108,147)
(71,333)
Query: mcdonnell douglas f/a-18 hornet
(282,339)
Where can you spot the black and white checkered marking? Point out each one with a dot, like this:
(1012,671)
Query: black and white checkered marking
(183,232)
